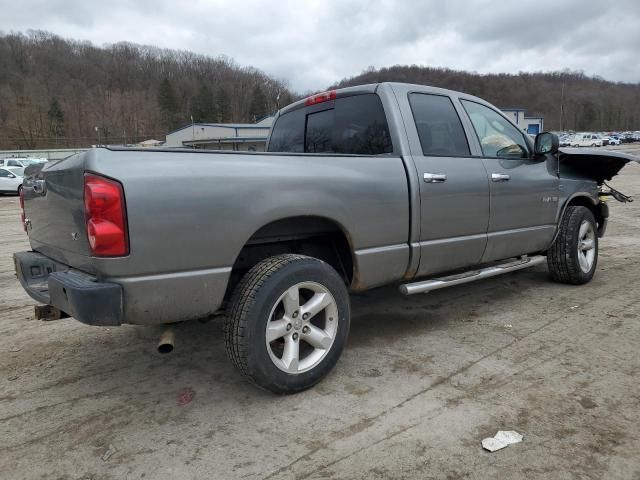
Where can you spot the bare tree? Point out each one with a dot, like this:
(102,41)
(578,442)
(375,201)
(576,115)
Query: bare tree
(117,88)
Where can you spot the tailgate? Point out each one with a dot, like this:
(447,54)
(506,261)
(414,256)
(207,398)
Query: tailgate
(54,210)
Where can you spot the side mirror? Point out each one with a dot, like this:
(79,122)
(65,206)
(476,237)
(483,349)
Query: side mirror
(546,142)
(11,175)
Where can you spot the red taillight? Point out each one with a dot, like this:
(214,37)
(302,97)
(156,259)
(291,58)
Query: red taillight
(320,97)
(22,215)
(105,214)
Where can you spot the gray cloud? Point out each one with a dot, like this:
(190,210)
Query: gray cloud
(315,43)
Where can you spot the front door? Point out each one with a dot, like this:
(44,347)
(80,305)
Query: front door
(524,189)
(454,188)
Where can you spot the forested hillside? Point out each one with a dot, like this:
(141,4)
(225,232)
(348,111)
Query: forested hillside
(55,92)
(65,93)
(588,103)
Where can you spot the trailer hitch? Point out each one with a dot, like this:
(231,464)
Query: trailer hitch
(48,313)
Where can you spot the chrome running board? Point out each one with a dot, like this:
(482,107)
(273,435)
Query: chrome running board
(471,276)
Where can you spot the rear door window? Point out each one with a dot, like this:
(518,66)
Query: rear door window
(350,125)
(439,127)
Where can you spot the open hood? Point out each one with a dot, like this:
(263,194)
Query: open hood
(601,165)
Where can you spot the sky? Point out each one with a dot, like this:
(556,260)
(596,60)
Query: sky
(313,44)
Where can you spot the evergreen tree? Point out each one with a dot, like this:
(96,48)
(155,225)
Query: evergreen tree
(203,105)
(258,107)
(56,119)
(224,105)
(589,116)
(168,102)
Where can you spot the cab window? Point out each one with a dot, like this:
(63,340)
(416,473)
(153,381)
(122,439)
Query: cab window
(439,127)
(353,125)
(498,137)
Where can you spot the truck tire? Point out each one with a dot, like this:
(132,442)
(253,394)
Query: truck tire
(573,257)
(287,323)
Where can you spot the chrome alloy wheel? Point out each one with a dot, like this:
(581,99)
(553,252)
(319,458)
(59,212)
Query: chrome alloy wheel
(302,326)
(586,246)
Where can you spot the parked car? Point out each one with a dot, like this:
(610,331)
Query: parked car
(20,162)
(565,140)
(10,180)
(360,187)
(614,140)
(586,140)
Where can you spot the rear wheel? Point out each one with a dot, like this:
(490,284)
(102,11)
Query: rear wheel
(288,322)
(573,257)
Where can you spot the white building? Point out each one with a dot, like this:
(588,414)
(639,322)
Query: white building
(222,136)
(531,124)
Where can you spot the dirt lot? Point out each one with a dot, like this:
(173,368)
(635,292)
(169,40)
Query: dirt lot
(421,382)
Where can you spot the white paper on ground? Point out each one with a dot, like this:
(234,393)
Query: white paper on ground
(501,440)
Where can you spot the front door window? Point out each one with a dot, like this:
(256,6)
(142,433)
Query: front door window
(498,138)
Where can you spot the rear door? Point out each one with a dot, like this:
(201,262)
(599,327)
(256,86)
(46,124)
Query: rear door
(454,188)
(524,189)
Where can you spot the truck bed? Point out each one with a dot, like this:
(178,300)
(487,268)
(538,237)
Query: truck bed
(179,203)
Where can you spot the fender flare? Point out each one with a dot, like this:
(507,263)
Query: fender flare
(599,209)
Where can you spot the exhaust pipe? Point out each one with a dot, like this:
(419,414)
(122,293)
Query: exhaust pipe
(165,344)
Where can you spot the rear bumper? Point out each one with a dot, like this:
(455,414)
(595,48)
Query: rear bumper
(75,293)
(139,299)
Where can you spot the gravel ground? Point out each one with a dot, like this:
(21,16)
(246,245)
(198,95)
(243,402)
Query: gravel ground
(422,381)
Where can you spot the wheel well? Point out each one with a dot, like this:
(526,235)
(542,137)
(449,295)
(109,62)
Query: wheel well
(313,236)
(582,201)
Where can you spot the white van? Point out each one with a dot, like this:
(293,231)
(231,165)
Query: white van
(587,140)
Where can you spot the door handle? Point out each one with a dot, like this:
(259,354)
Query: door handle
(500,177)
(435,177)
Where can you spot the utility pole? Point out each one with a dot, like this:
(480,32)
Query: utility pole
(193,129)
(562,105)
(98,133)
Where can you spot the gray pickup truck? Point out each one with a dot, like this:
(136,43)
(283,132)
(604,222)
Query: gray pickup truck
(360,187)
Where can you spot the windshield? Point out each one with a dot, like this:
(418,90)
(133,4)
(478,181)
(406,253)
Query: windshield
(19,171)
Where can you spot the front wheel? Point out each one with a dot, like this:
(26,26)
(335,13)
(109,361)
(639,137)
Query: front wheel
(573,257)
(288,322)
